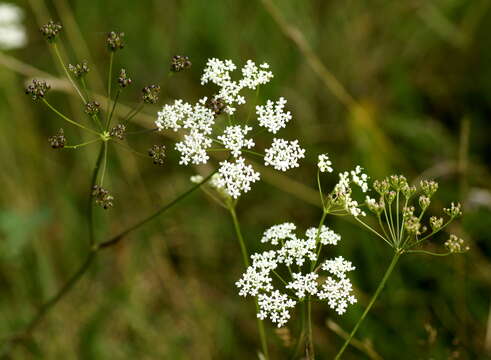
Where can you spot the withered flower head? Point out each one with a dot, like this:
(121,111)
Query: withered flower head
(118,131)
(180,63)
(115,41)
(37,89)
(123,79)
(151,94)
(102,197)
(58,140)
(79,70)
(50,30)
(157,153)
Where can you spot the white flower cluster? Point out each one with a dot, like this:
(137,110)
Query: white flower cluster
(272,116)
(283,154)
(324,164)
(198,123)
(262,279)
(12,32)
(342,190)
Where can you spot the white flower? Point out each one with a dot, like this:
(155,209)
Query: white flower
(275,306)
(217,71)
(279,232)
(172,116)
(303,284)
(12,32)
(196,179)
(338,266)
(337,293)
(326,236)
(297,251)
(254,76)
(236,178)
(284,155)
(359,178)
(272,116)
(193,148)
(233,138)
(324,164)
(342,191)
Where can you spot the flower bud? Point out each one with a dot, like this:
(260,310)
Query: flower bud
(50,30)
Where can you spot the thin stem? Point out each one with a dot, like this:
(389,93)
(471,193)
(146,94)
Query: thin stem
(109,82)
(310,338)
(104,164)
(89,205)
(387,274)
(428,252)
(117,238)
(57,52)
(388,225)
(320,189)
(108,122)
(373,230)
(397,216)
(137,110)
(245,257)
(82,144)
(68,119)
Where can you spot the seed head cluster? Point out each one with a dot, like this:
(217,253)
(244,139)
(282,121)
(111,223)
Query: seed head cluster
(180,63)
(51,30)
(37,89)
(79,70)
(157,153)
(58,140)
(102,197)
(115,41)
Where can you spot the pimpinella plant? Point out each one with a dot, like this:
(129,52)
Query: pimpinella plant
(399,218)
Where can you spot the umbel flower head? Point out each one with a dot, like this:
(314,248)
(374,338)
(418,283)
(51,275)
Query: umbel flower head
(180,63)
(115,41)
(92,108)
(79,70)
(50,30)
(118,131)
(151,94)
(283,277)
(37,89)
(123,79)
(157,153)
(203,126)
(58,140)
(102,197)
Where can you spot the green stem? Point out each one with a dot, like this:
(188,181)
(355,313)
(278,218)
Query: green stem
(388,272)
(104,164)
(57,52)
(245,257)
(428,252)
(112,110)
(81,145)
(310,338)
(68,119)
(109,82)
(89,205)
(373,230)
(115,239)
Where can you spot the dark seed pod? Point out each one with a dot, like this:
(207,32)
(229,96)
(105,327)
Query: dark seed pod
(123,79)
(58,140)
(37,89)
(92,108)
(118,131)
(151,94)
(102,197)
(180,63)
(115,41)
(157,153)
(50,30)
(217,105)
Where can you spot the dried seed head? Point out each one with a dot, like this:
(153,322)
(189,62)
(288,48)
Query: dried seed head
(115,41)
(102,197)
(50,30)
(151,94)
(118,131)
(123,79)
(37,89)
(79,70)
(58,140)
(157,153)
(180,63)
(217,105)
(92,108)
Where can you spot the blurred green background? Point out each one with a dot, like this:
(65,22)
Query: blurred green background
(417,92)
